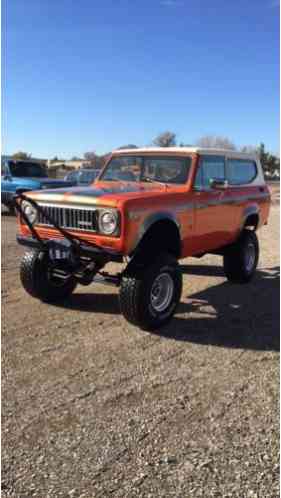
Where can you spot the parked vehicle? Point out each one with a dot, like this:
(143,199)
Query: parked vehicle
(24,175)
(180,202)
(82,177)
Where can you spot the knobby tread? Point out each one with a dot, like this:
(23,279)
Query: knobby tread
(129,298)
(34,278)
(233,261)
(135,287)
(27,272)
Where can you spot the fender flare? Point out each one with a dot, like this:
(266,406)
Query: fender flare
(249,211)
(152,220)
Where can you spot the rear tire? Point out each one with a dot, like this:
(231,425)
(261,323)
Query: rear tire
(149,295)
(12,210)
(241,259)
(37,279)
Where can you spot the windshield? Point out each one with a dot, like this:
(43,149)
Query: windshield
(148,169)
(72,176)
(88,176)
(27,169)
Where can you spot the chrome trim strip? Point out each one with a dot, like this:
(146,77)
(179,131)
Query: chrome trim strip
(67,206)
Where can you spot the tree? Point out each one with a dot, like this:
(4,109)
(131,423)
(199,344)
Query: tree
(262,154)
(165,139)
(215,141)
(270,163)
(21,155)
(129,146)
(250,149)
(90,156)
(103,159)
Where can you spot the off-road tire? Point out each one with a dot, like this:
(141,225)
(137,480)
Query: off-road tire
(234,261)
(135,292)
(34,275)
(12,210)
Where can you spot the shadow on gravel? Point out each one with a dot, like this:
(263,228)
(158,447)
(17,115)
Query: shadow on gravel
(92,303)
(228,315)
(206,271)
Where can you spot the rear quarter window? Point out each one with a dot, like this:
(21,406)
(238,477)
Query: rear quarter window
(240,171)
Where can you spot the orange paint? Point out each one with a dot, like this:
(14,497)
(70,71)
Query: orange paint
(207,219)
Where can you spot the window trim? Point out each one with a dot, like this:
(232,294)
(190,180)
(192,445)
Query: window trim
(239,159)
(7,171)
(187,161)
(203,188)
(184,159)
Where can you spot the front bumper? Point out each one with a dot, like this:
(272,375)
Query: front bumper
(70,243)
(84,249)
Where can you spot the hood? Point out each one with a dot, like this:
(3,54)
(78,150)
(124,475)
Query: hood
(55,183)
(37,183)
(99,191)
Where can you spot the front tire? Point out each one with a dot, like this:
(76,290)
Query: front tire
(240,261)
(36,274)
(149,295)
(12,210)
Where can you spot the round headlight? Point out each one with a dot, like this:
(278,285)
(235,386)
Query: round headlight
(29,211)
(108,222)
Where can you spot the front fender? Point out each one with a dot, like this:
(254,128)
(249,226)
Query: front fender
(150,220)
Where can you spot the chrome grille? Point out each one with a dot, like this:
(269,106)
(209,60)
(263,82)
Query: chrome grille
(69,217)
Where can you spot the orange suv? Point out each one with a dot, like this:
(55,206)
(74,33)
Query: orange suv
(148,208)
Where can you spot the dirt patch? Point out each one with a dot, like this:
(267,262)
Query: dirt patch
(94,407)
(274,188)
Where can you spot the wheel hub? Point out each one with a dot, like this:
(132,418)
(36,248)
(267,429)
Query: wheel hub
(250,256)
(162,292)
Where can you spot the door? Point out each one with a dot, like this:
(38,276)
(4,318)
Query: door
(6,183)
(213,217)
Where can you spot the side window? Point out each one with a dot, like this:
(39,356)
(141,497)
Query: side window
(4,168)
(240,171)
(73,177)
(210,167)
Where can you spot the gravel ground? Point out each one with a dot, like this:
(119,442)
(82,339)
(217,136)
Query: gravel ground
(94,407)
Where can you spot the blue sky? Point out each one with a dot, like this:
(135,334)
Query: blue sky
(93,75)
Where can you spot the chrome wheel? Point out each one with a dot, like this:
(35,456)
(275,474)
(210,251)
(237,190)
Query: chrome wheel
(250,257)
(162,292)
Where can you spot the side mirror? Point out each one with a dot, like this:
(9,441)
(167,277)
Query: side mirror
(216,183)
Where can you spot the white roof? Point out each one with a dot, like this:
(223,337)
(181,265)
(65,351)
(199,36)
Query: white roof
(188,150)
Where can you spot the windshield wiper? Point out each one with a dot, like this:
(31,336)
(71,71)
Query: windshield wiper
(150,180)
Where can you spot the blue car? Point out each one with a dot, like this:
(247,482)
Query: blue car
(83,176)
(18,176)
